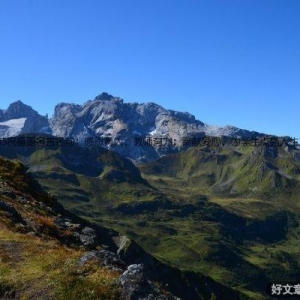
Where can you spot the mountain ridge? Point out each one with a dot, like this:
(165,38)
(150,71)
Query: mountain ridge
(140,131)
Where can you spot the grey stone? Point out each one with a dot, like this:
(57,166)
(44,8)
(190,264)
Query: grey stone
(87,236)
(104,258)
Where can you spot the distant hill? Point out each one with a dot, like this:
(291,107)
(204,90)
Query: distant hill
(264,171)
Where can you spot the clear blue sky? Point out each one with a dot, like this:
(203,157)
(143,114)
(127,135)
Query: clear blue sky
(226,61)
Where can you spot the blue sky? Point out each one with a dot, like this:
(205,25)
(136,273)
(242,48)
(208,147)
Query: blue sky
(225,61)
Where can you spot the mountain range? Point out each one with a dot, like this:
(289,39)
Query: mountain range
(142,132)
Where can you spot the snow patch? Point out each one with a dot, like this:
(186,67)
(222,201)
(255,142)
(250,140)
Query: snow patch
(11,127)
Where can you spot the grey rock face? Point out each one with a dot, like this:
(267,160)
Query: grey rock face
(142,132)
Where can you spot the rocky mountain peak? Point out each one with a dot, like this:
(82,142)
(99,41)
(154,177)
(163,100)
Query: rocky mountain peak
(62,108)
(17,110)
(104,96)
(20,118)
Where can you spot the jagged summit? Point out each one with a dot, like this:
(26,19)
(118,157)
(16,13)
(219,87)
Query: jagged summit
(18,102)
(104,96)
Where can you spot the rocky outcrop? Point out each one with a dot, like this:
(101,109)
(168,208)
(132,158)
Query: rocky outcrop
(185,285)
(136,286)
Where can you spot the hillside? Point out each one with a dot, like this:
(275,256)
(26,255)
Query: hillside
(243,219)
(41,245)
(47,252)
(83,177)
(228,170)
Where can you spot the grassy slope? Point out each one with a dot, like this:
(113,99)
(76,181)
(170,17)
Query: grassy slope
(41,267)
(31,268)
